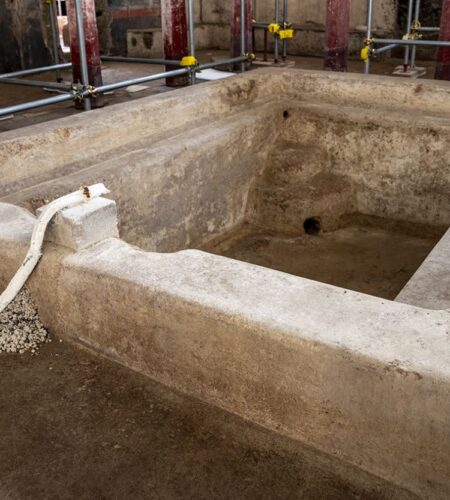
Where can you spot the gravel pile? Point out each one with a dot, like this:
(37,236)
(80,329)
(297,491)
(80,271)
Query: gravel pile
(20,327)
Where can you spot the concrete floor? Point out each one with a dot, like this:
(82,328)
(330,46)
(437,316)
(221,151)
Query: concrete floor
(77,426)
(366,259)
(113,72)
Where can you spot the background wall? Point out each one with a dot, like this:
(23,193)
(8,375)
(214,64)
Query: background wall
(23,34)
(24,25)
(115,17)
(310,15)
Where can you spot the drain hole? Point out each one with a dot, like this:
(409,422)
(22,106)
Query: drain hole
(286,114)
(312,225)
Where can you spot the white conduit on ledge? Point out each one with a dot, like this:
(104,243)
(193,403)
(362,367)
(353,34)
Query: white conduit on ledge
(37,237)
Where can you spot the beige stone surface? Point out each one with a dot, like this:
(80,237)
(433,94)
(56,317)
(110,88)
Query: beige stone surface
(83,225)
(363,379)
(430,285)
(237,158)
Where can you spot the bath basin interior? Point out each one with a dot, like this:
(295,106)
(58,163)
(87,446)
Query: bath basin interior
(323,189)
(363,256)
(324,196)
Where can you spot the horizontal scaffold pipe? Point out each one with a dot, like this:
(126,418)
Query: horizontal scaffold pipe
(10,110)
(385,48)
(141,60)
(35,71)
(86,93)
(114,86)
(257,24)
(425,43)
(144,79)
(428,28)
(215,64)
(36,83)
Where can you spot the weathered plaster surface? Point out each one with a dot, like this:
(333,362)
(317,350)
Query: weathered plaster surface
(364,379)
(270,147)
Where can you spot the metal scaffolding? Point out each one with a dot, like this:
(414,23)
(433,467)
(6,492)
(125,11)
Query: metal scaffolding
(83,92)
(412,38)
(282,31)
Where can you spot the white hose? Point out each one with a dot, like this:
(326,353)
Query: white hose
(34,253)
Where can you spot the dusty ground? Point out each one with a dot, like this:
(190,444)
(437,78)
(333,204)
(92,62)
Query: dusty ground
(114,72)
(73,425)
(367,259)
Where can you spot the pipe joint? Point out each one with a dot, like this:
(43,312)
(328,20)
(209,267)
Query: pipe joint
(80,92)
(414,35)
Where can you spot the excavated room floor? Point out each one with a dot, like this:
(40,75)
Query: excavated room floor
(362,257)
(78,426)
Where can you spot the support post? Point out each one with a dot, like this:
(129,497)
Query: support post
(443,54)
(285,20)
(408,32)
(416,23)
(276,40)
(337,35)
(243,32)
(191,33)
(175,37)
(87,30)
(368,32)
(55,37)
(236,25)
(266,44)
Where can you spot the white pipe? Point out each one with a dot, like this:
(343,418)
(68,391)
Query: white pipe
(34,253)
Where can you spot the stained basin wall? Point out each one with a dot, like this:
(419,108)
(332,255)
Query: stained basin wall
(230,153)
(175,186)
(331,161)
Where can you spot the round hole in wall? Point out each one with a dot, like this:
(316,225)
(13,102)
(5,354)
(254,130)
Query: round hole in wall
(285,114)
(312,225)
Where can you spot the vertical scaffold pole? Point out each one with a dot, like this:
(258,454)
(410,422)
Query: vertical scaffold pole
(443,54)
(175,37)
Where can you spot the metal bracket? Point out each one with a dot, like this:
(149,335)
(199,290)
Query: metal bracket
(78,92)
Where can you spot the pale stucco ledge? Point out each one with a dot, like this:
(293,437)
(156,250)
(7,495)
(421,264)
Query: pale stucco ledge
(363,379)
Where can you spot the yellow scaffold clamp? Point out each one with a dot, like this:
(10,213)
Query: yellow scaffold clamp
(365,53)
(367,50)
(286,34)
(273,28)
(188,61)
